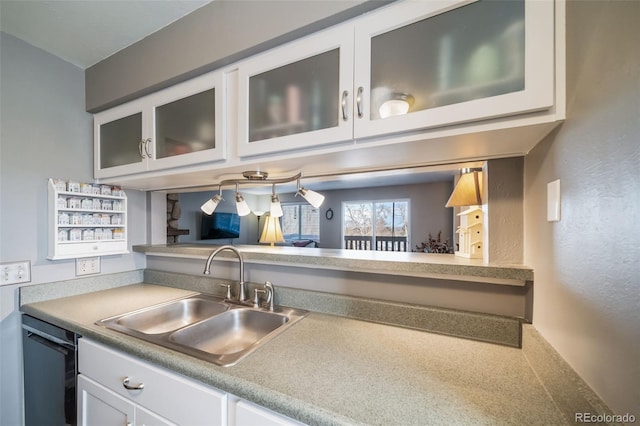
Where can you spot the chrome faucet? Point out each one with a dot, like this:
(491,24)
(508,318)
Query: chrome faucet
(207,268)
(270,293)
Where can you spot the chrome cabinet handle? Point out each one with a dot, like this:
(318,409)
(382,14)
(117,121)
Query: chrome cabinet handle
(359,101)
(345,115)
(125,383)
(146,147)
(140,148)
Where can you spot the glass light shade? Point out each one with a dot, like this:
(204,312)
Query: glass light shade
(271,232)
(393,107)
(312,197)
(241,205)
(211,204)
(468,191)
(276,208)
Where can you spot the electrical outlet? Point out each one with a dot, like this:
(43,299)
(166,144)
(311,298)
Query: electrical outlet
(88,266)
(15,272)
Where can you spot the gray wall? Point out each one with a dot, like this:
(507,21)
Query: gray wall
(217,34)
(504,218)
(45,133)
(587,270)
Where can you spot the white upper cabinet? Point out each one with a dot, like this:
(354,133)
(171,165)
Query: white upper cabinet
(416,66)
(410,83)
(452,62)
(178,126)
(298,95)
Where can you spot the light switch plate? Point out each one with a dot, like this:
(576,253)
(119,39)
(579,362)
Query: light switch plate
(15,272)
(553,201)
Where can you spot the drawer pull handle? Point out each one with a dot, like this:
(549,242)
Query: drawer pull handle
(127,386)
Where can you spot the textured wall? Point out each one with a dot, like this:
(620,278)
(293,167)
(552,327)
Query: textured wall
(587,270)
(504,210)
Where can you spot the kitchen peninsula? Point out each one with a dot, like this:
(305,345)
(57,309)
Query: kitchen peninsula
(440,266)
(327,369)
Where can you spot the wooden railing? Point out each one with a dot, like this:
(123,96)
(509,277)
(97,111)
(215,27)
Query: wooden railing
(381,244)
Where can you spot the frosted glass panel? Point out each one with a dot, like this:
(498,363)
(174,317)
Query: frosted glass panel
(186,125)
(120,141)
(295,98)
(473,52)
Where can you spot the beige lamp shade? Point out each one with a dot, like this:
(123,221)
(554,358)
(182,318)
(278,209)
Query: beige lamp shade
(468,190)
(271,232)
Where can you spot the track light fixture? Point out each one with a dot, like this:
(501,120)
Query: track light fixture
(259,178)
(276,207)
(241,205)
(312,197)
(210,205)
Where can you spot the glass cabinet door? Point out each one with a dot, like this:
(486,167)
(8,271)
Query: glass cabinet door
(187,122)
(295,98)
(457,62)
(120,144)
(121,141)
(186,125)
(297,95)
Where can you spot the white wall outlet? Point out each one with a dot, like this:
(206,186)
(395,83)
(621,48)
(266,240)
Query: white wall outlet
(553,201)
(88,266)
(15,272)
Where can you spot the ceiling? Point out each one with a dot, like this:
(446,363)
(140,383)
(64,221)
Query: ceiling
(84,32)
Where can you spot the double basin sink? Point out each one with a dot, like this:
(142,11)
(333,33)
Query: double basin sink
(206,327)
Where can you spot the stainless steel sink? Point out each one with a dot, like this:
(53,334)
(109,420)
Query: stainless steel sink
(206,327)
(231,332)
(168,316)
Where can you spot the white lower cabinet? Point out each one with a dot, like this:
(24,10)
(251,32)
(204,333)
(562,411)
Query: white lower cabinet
(244,413)
(100,406)
(117,389)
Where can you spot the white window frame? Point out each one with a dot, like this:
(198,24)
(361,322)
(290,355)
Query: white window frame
(373,205)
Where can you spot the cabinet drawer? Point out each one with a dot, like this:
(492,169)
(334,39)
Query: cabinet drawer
(170,395)
(248,414)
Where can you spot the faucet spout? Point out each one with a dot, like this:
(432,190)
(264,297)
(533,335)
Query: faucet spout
(207,268)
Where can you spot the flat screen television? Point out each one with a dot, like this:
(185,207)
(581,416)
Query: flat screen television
(220,225)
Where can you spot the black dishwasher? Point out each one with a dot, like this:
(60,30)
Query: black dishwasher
(50,367)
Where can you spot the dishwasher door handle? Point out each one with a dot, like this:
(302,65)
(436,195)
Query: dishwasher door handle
(46,336)
(49,344)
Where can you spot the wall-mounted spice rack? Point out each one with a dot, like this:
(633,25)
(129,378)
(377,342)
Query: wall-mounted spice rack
(86,220)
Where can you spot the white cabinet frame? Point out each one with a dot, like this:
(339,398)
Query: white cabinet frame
(339,37)
(539,69)
(147,106)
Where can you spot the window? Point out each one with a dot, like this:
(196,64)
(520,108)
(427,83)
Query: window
(300,222)
(376,225)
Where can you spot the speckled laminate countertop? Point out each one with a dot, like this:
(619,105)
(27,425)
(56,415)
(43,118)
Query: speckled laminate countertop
(332,370)
(441,266)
